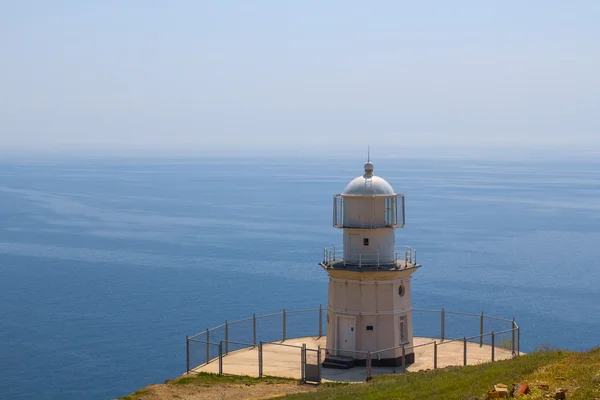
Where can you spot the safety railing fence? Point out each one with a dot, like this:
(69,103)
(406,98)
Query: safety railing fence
(444,324)
(499,342)
(200,352)
(311,365)
(302,323)
(505,341)
(273,327)
(426,323)
(404,350)
(239,331)
(458,324)
(280,358)
(267,334)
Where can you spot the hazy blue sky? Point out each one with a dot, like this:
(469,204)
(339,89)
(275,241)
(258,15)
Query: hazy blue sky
(204,75)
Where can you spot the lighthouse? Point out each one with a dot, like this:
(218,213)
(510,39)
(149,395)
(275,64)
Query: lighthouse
(369,307)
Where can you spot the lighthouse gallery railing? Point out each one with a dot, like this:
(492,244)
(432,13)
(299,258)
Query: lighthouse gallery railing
(334,254)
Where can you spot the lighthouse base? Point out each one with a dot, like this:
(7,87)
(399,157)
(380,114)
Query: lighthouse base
(388,362)
(347,363)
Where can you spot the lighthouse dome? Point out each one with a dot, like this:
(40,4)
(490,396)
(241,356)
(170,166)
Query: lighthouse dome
(368,185)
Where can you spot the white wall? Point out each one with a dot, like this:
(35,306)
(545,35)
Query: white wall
(381,243)
(374,302)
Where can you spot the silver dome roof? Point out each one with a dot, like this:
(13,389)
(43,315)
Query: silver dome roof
(368,184)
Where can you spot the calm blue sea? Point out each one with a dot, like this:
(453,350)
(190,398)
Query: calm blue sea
(106,264)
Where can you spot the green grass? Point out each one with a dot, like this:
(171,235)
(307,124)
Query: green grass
(209,379)
(505,344)
(136,395)
(206,379)
(453,383)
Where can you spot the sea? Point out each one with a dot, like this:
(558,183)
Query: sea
(107,263)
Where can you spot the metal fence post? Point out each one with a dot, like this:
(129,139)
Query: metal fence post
(303,363)
(320,320)
(518,341)
(226,337)
(465,350)
(284,325)
(221,358)
(514,328)
(481,330)
(434,355)
(260,359)
(403,360)
(368,366)
(207,345)
(254,327)
(187,354)
(443,323)
(493,345)
(319,361)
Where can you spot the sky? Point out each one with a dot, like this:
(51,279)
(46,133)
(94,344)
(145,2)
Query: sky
(295,76)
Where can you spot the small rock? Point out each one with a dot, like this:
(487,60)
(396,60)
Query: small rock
(559,378)
(492,394)
(544,387)
(596,379)
(560,394)
(520,389)
(500,391)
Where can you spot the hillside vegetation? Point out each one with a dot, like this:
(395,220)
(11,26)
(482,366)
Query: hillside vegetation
(543,370)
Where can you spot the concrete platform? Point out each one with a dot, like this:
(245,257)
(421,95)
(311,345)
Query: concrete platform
(281,359)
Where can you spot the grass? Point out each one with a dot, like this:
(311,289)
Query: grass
(209,379)
(136,395)
(505,344)
(206,379)
(577,372)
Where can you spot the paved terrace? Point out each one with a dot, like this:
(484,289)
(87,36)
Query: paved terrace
(285,361)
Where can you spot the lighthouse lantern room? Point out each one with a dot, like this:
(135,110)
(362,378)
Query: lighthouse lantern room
(369,306)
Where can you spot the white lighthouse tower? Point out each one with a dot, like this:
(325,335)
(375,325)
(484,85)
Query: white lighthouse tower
(369,306)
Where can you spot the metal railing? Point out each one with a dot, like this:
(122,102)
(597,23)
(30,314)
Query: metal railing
(334,254)
(202,348)
(219,341)
(513,344)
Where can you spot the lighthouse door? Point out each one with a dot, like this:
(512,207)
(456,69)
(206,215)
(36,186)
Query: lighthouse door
(346,334)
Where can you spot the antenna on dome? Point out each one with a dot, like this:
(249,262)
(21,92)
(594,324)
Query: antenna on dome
(368,164)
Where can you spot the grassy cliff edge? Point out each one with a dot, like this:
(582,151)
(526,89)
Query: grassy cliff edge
(543,370)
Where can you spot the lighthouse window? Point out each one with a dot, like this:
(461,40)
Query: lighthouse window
(369,327)
(403,335)
(366,241)
(401,290)
(388,212)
